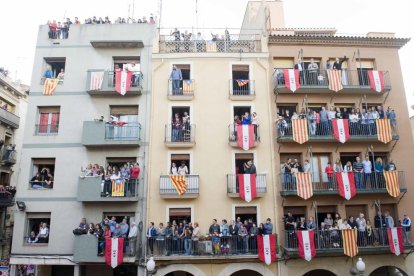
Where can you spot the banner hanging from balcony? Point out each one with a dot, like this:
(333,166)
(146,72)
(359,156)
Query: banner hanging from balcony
(247,186)
(266,246)
(304,183)
(395,240)
(340,130)
(114,251)
(122,81)
(292,79)
(346,184)
(188,86)
(306,242)
(349,238)
(391,181)
(118,187)
(49,86)
(300,130)
(96,81)
(180,183)
(335,80)
(384,130)
(242,83)
(245,136)
(376,80)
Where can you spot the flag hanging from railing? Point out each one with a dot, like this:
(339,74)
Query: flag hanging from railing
(188,86)
(384,132)
(335,80)
(395,240)
(391,182)
(122,81)
(346,184)
(241,83)
(96,80)
(118,187)
(306,244)
(300,130)
(49,86)
(114,251)
(349,238)
(304,183)
(180,183)
(247,186)
(340,130)
(266,246)
(376,80)
(292,79)
(245,136)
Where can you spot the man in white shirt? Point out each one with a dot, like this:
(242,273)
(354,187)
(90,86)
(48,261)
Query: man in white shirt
(132,238)
(367,167)
(306,166)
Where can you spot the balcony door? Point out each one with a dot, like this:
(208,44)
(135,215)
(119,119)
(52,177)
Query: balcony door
(246,213)
(240,74)
(319,163)
(179,215)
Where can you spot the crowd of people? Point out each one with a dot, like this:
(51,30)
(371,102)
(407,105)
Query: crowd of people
(39,233)
(181,170)
(361,121)
(42,179)
(328,230)
(60,29)
(183,237)
(108,228)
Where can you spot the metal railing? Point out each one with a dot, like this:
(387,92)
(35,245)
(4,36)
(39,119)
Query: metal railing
(130,188)
(319,78)
(326,182)
(127,132)
(167,187)
(49,129)
(136,79)
(9,118)
(7,196)
(357,129)
(233,183)
(233,133)
(108,81)
(219,246)
(183,133)
(247,43)
(240,87)
(8,156)
(41,184)
(181,87)
(129,249)
(43,79)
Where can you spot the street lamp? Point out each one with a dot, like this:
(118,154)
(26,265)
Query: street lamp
(151,266)
(360,266)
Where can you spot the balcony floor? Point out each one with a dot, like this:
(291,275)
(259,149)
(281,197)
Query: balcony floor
(367,138)
(317,89)
(335,192)
(240,258)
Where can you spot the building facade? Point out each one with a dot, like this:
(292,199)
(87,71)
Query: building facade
(84,121)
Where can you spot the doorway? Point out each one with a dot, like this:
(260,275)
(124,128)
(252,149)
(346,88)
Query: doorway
(246,213)
(319,163)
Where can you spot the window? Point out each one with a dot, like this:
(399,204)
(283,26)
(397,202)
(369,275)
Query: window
(241,110)
(4,179)
(184,86)
(241,159)
(55,65)
(43,172)
(297,211)
(240,80)
(286,110)
(37,228)
(283,62)
(48,123)
(363,66)
(132,64)
(119,162)
(323,211)
(127,127)
(355,210)
(180,128)
(349,157)
(179,214)
(344,63)
(246,213)
(285,156)
(6,105)
(181,159)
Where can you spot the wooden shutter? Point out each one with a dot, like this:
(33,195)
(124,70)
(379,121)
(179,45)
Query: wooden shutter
(240,67)
(180,212)
(246,210)
(124,110)
(283,62)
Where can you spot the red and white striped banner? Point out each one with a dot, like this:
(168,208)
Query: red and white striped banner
(384,132)
(392,183)
(300,130)
(349,238)
(335,80)
(247,186)
(266,246)
(114,251)
(291,79)
(346,184)
(245,136)
(306,242)
(395,240)
(122,81)
(304,182)
(376,80)
(340,130)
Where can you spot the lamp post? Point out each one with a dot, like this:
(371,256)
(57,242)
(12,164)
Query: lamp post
(360,266)
(151,266)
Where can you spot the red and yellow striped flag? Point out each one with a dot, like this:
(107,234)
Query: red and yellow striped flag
(241,83)
(188,86)
(335,80)
(300,130)
(349,238)
(179,182)
(384,130)
(391,181)
(49,86)
(118,187)
(304,182)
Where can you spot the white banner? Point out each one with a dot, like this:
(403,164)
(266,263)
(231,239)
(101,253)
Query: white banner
(267,250)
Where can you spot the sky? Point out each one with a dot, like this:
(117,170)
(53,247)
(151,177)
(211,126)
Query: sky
(19,21)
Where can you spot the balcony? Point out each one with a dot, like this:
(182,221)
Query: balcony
(96,134)
(180,136)
(322,132)
(167,189)
(9,118)
(7,196)
(8,157)
(233,135)
(324,185)
(90,189)
(233,185)
(183,92)
(330,243)
(242,90)
(102,83)
(311,82)
(85,250)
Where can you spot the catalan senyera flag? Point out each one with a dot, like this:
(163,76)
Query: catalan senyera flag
(300,130)
(349,238)
(396,240)
(96,80)
(266,247)
(114,251)
(241,83)
(49,86)
(391,182)
(180,183)
(188,86)
(335,80)
(376,80)
(384,130)
(304,183)
(118,187)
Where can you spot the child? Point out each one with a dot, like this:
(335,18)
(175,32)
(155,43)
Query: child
(216,242)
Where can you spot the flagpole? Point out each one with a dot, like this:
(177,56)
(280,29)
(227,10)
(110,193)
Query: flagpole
(371,148)
(315,206)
